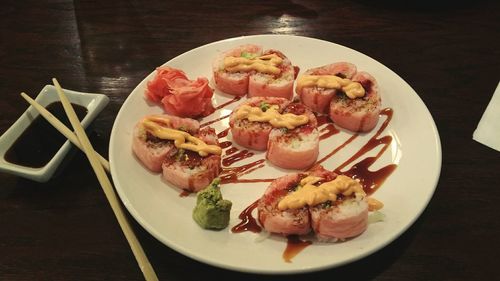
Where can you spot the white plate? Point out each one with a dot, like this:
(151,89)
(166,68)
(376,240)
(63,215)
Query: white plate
(160,210)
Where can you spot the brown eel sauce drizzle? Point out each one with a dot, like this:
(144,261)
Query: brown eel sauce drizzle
(294,246)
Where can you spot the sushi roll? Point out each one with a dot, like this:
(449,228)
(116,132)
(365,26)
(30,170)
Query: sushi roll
(263,84)
(285,222)
(187,156)
(318,98)
(344,215)
(248,70)
(254,134)
(336,206)
(230,81)
(351,98)
(297,148)
(151,150)
(189,170)
(359,114)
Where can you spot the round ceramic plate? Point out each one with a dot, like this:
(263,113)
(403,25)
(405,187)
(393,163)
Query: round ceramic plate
(415,149)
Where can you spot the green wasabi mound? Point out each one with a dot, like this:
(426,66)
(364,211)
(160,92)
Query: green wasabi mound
(211,210)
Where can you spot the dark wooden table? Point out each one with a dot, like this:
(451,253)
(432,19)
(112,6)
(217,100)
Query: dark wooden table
(64,229)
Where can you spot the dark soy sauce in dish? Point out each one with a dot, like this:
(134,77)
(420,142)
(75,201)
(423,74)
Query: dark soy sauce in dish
(40,141)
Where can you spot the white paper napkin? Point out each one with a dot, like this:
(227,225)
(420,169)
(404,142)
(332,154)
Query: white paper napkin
(488,129)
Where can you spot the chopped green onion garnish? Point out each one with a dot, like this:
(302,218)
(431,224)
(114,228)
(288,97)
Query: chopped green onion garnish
(248,55)
(264,106)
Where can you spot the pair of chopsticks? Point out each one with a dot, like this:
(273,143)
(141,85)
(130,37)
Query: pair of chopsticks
(99,164)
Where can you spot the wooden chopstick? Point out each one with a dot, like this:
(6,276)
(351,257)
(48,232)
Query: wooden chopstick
(136,247)
(62,128)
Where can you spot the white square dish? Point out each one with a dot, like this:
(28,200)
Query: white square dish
(94,103)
